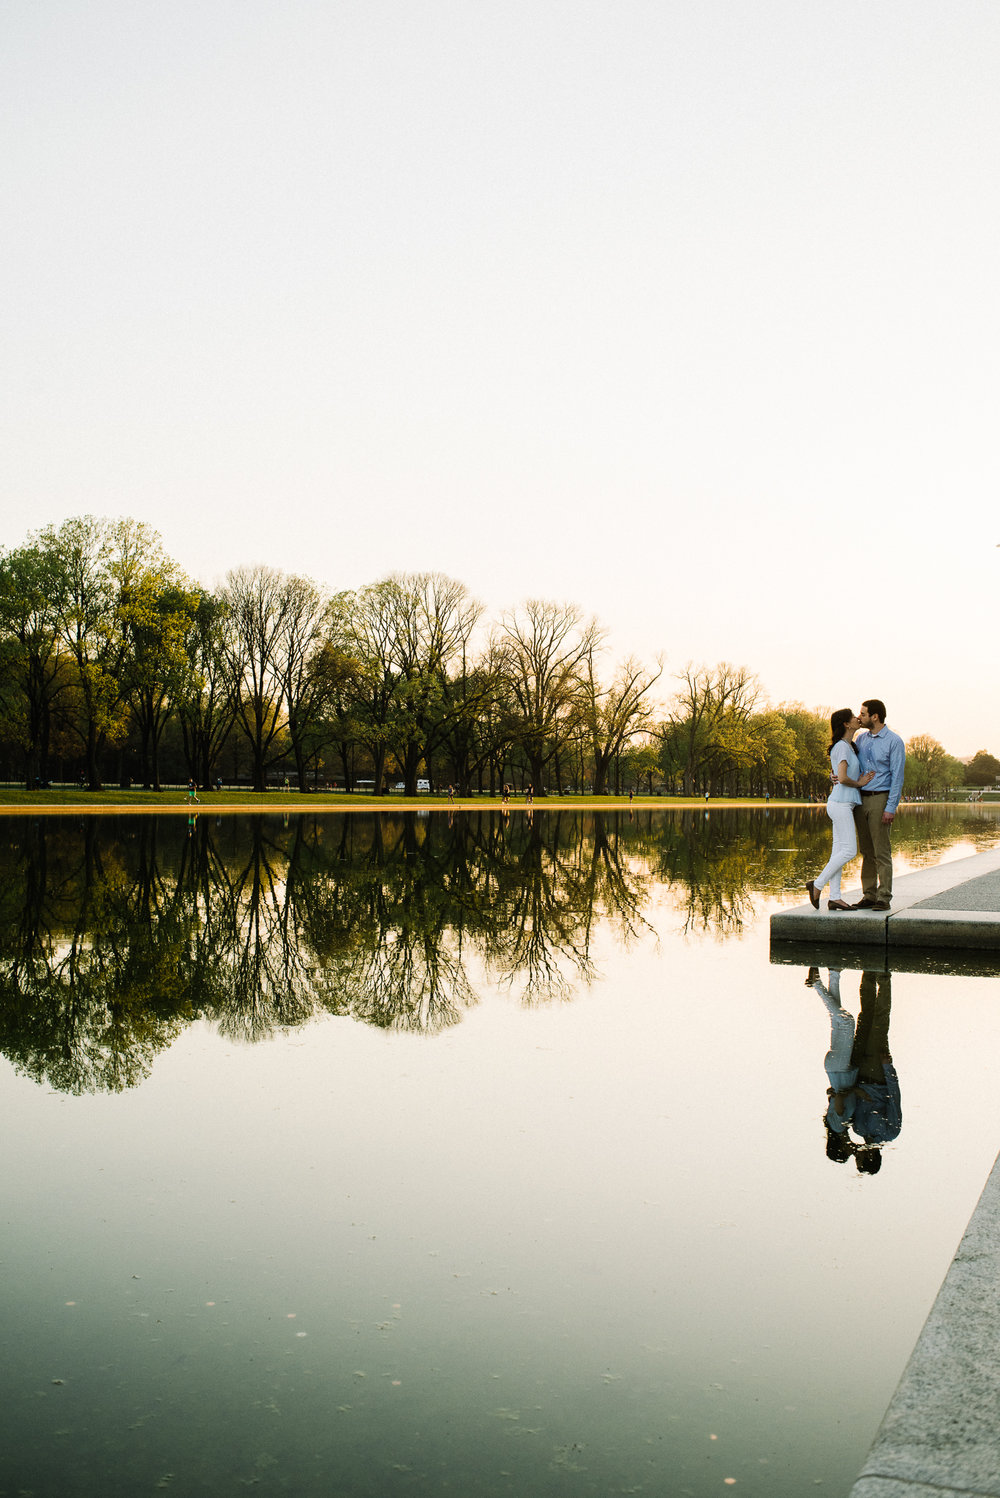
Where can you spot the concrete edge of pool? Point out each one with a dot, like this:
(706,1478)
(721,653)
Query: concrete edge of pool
(941,1435)
(952,905)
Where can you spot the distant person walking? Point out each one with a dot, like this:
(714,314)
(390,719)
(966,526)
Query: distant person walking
(843,799)
(193,799)
(882,754)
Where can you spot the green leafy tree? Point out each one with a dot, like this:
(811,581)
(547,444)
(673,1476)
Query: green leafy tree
(927,766)
(983,769)
(32,665)
(709,722)
(107,575)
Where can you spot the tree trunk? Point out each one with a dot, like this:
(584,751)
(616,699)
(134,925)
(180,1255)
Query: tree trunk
(93,776)
(601,762)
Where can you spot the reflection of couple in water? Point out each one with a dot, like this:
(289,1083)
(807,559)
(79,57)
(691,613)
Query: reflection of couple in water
(863,1095)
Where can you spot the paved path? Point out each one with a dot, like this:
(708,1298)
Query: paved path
(952,905)
(941,1434)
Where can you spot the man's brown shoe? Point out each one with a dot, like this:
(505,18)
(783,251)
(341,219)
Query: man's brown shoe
(881,905)
(865,904)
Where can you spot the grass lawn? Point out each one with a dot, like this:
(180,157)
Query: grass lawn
(16,798)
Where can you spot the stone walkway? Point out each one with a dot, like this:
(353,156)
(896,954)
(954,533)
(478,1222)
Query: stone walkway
(941,1434)
(953,905)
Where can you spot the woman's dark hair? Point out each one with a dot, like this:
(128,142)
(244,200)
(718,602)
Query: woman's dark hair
(838,1146)
(838,722)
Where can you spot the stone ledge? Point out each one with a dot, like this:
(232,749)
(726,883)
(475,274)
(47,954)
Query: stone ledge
(941,1433)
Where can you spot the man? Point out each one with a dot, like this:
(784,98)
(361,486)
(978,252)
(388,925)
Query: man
(883,751)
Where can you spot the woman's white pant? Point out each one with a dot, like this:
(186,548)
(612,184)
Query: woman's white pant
(845,845)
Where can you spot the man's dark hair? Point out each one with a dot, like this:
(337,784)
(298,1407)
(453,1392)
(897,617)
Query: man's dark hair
(874,705)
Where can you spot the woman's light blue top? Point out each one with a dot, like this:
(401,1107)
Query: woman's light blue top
(845,793)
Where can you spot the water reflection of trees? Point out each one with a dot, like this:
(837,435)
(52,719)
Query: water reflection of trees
(116,933)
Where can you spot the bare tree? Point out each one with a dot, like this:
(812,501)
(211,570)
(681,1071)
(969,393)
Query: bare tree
(542,651)
(206,704)
(615,714)
(434,622)
(258,604)
(307,665)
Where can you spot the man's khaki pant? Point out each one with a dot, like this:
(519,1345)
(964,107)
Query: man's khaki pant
(875,843)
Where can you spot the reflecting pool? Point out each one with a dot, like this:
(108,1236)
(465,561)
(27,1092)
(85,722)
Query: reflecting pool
(423,1154)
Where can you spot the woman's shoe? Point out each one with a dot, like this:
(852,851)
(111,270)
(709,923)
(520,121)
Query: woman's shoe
(813,894)
(838,905)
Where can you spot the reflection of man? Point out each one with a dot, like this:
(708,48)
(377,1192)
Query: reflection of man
(883,752)
(878,1109)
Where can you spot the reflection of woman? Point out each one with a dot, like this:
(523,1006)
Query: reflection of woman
(844,797)
(840,1073)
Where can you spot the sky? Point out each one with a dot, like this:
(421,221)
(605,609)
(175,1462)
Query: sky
(686,312)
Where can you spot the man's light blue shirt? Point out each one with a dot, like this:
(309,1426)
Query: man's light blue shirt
(885,753)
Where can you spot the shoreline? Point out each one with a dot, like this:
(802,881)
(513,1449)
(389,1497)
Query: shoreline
(294,802)
(174,803)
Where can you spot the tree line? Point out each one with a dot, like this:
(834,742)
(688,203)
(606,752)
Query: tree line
(114,665)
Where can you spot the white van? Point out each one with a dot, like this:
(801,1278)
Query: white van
(423,787)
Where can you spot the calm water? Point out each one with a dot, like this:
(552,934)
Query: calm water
(407,1155)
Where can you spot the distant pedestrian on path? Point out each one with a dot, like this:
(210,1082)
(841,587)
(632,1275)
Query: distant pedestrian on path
(882,754)
(193,799)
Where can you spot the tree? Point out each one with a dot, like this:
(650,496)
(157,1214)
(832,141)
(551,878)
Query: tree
(983,769)
(363,626)
(206,697)
(642,762)
(258,604)
(615,714)
(433,620)
(774,748)
(32,670)
(709,721)
(542,650)
(927,766)
(157,626)
(810,770)
(305,683)
(106,577)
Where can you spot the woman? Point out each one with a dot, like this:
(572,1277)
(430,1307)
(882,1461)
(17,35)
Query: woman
(844,797)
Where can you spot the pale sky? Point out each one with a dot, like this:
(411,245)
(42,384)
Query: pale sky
(686,312)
